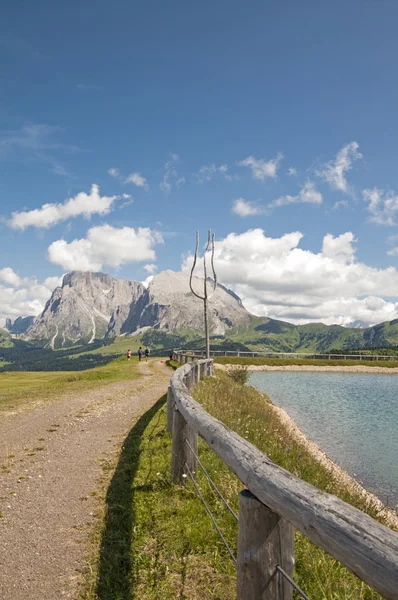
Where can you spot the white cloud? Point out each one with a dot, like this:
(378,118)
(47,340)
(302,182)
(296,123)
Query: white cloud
(340,203)
(339,248)
(292,172)
(382,205)
(207,172)
(262,169)
(105,245)
(244,208)
(308,195)
(24,296)
(136,179)
(51,214)
(171,176)
(36,142)
(9,276)
(150,268)
(334,171)
(275,277)
(147,281)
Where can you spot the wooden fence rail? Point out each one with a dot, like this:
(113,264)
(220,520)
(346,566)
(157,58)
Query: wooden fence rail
(190,354)
(277,502)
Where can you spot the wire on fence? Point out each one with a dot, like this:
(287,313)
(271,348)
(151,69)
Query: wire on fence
(231,510)
(292,583)
(211,515)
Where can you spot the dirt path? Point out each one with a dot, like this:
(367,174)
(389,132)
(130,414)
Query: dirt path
(50,465)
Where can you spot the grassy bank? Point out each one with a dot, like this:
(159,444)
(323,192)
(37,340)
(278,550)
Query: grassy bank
(18,388)
(158,541)
(275,362)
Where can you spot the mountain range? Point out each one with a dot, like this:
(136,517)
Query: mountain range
(94,305)
(89,306)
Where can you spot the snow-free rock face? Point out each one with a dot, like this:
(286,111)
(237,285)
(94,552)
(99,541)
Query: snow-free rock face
(94,305)
(82,307)
(20,325)
(170,305)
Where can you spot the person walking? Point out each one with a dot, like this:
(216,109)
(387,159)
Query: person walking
(147,353)
(139,353)
(128,354)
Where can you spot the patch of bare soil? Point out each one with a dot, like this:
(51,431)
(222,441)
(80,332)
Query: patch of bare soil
(50,468)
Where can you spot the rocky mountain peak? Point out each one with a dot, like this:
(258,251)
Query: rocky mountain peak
(94,305)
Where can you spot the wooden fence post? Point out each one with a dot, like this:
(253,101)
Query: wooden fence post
(198,372)
(181,452)
(264,541)
(170,409)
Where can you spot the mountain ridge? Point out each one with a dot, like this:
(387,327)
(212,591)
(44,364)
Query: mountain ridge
(89,306)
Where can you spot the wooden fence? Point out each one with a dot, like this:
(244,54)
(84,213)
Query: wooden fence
(267,354)
(275,503)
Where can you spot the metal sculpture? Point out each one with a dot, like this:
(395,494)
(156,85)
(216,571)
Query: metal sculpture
(206,296)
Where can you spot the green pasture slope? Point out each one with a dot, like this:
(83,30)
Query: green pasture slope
(18,388)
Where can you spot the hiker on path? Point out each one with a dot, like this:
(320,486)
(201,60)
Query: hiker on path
(128,354)
(139,353)
(147,353)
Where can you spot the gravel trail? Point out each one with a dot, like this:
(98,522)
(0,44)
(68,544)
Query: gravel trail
(50,467)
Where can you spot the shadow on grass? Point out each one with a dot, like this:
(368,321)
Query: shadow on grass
(114,572)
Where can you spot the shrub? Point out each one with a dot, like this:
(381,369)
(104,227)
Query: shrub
(239,375)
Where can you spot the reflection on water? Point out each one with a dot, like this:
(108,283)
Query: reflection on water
(353,417)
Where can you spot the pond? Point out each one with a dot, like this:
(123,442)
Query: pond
(352,417)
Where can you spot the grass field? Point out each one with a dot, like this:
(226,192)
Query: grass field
(157,541)
(239,360)
(17,388)
(119,346)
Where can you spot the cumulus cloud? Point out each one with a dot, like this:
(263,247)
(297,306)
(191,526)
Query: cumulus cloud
(9,276)
(114,172)
(339,248)
(244,208)
(382,205)
(23,297)
(151,268)
(171,176)
(334,171)
(49,215)
(105,245)
(207,172)
(147,281)
(262,169)
(308,194)
(136,179)
(277,278)
(292,171)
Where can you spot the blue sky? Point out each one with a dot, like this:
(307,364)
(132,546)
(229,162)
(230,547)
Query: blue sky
(272,116)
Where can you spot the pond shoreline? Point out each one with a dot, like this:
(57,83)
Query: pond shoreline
(390,516)
(340,474)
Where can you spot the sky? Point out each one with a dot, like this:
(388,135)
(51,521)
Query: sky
(126,127)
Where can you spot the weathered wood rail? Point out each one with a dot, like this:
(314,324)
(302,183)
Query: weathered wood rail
(275,503)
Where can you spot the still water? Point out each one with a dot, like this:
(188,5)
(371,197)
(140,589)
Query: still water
(352,417)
